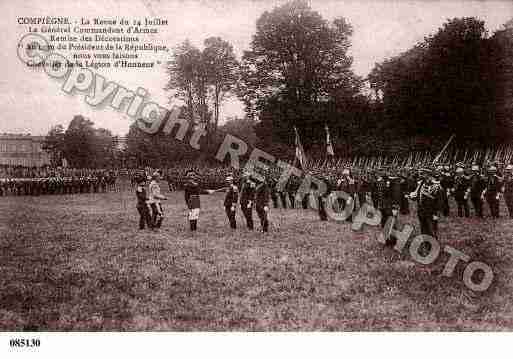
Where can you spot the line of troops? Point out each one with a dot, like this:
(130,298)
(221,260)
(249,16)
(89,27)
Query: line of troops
(388,189)
(54,185)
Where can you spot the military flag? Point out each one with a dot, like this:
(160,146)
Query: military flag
(300,153)
(329,145)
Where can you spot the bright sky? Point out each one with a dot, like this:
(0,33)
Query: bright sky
(32,102)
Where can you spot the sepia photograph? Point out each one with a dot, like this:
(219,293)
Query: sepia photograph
(248,166)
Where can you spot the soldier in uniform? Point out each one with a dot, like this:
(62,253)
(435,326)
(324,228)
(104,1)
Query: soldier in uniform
(461,191)
(142,204)
(428,195)
(381,196)
(447,183)
(492,191)
(364,189)
(247,197)
(262,196)
(154,199)
(291,187)
(348,185)
(323,199)
(230,202)
(507,189)
(477,185)
(192,198)
(274,192)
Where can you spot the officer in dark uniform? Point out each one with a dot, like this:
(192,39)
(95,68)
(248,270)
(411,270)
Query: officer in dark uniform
(447,183)
(492,190)
(142,204)
(477,186)
(262,196)
(247,198)
(323,199)
(461,191)
(192,193)
(291,188)
(230,201)
(428,195)
(274,192)
(364,189)
(381,196)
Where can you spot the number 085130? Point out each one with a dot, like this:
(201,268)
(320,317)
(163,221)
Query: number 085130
(24,343)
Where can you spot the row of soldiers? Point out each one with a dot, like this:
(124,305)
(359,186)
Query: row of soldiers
(388,189)
(55,185)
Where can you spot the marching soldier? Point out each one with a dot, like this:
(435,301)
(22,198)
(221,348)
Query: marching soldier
(247,197)
(154,199)
(477,185)
(262,204)
(507,189)
(492,190)
(230,202)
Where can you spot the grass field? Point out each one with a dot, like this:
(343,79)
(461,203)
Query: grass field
(80,263)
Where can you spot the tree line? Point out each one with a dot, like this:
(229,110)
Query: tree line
(298,73)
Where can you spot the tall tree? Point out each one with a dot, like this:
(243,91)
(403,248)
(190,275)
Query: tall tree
(296,61)
(222,68)
(182,70)
(445,84)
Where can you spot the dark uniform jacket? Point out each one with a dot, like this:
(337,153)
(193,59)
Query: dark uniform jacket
(247,192)
(192,194)
(508,187)
(461,186)
(477,185)
(381,194)
(493,185)
(262,194)
(140,192)
(429,197)
(232,196)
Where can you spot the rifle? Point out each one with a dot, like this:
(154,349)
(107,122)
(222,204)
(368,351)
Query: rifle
(437,158)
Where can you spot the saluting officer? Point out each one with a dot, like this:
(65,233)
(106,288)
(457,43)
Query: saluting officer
(230,201)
